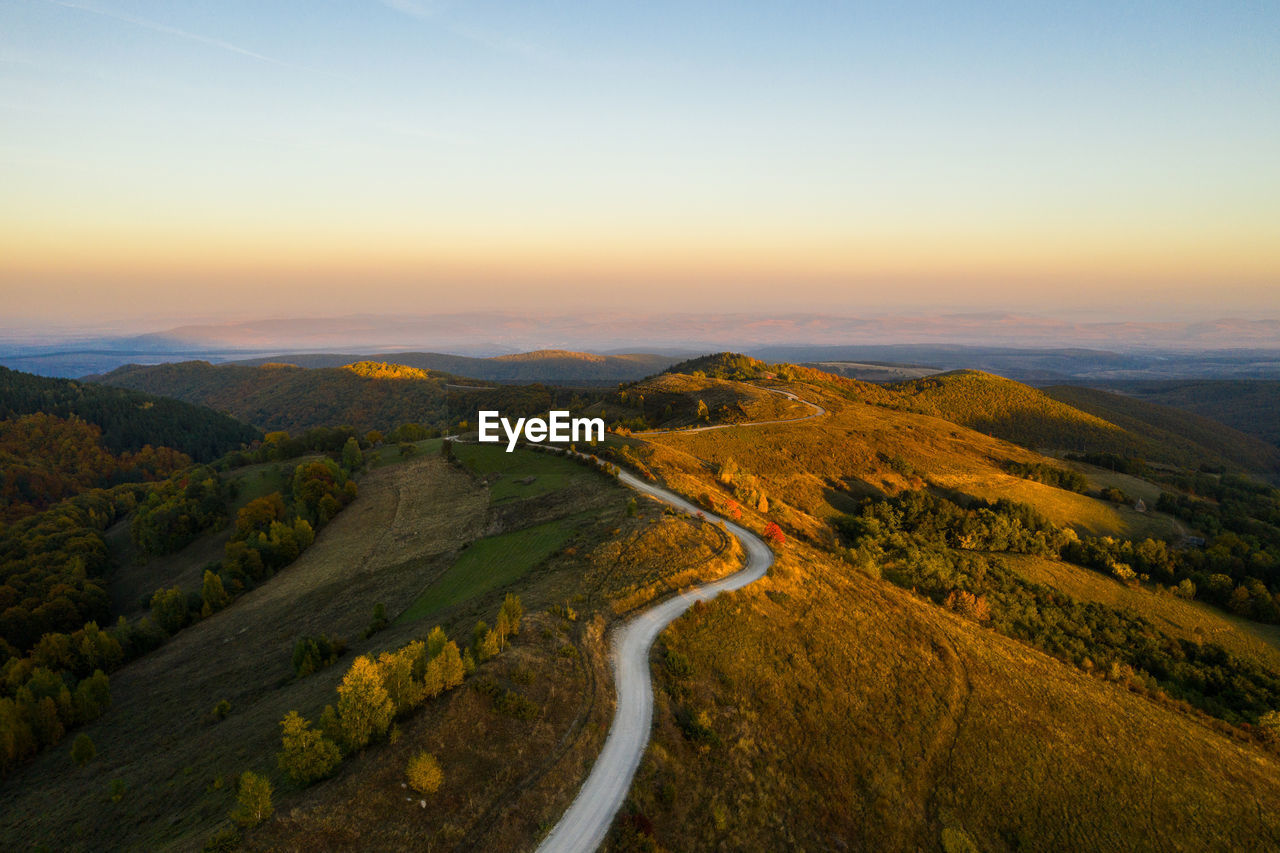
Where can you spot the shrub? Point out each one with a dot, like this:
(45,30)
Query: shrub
(82,750)
(773,534)
(967,604)
(424,773)
(378,622)
(311,654)
(223,841)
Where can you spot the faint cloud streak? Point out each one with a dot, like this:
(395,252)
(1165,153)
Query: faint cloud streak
(156,26)
(415,8)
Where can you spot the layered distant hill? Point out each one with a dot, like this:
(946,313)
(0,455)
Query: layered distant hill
(560,367)
(366,395)
(1249,405)
(1036,349)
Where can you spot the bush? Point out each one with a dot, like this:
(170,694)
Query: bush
(424,773)
(378,622)
(82,750)
(311,654)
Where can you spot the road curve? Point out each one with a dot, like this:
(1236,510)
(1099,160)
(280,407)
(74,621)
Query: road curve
(584,826)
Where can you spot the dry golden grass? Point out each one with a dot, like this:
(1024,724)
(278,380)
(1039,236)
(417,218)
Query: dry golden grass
(822,467)
(845,713)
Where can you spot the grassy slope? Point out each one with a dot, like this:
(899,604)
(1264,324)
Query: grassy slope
(847,713)
(507,779)
(492,562)
(1181,431)
(1079,419)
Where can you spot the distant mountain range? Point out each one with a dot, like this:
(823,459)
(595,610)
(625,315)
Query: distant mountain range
(768,336)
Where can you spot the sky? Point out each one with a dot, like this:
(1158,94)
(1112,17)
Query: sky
(179,160)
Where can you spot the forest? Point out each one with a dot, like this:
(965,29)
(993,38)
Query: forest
(129,420)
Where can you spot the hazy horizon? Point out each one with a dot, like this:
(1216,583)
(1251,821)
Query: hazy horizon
(167,164)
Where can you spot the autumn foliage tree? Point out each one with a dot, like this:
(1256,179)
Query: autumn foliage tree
(364,708)
(253,800)
(306,754)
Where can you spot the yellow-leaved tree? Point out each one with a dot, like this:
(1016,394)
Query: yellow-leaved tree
(364,708)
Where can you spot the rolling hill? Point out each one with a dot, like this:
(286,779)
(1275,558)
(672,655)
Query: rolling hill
(879,715)
(1251,406)
(365,395)
(1183,434)
(560,367)
(1065,418)
(922,668)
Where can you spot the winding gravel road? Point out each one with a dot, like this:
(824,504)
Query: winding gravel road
(588,819)
(584,826)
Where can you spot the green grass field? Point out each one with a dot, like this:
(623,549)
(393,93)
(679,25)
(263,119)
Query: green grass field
(256,481)
(550,473)
(389,454)
(489,564)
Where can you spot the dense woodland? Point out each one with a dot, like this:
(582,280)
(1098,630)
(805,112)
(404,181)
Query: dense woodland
(129,420)
(1249,405)
(44,458)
